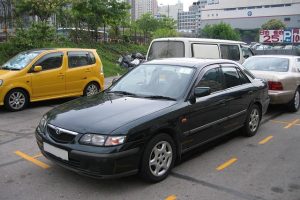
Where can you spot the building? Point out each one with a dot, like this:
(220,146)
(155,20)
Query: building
(140,7)
(190,21)
(170,10)
(247,15)
(6,18)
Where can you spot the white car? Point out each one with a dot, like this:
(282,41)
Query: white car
(283,75)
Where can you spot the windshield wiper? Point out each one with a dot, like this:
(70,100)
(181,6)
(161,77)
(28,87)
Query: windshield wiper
(160,97)
(122,92)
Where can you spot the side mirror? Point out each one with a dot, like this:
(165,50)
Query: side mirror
(202,91)
(246,56)
(37,68)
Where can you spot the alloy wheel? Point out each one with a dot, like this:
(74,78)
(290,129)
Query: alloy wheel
(160,158)
(254,120)
(91,90)
(297,100)
(17,100)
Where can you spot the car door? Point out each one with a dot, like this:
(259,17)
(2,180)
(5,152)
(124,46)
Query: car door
(80,67)
(240,92)
(51,80)
(206,113)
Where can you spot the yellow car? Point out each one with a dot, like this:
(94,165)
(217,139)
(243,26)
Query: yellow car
(42,74)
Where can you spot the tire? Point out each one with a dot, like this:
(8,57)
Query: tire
(294,105)
(16,100)
(158,158)
(252,121)
(91,89)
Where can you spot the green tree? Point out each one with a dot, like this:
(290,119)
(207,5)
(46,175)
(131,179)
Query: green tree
(147,23)
(220,31)
(43,9)
(165,32)
(273,24)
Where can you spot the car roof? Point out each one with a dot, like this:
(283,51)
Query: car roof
(276,56)
(206,40)
(59,49)
(189,62)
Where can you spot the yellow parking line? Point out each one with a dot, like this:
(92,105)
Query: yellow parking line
(226,164)
(36,156)
(33,160)
(293,123)
(172,197)
(282,122)
(267,139)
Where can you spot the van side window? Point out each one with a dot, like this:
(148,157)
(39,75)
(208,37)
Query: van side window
(205,51)
(166,49)
(213,79)
(231,52)
(50,61)
(231,77)
(80,58)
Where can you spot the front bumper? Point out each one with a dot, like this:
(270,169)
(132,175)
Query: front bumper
(92,163)
(281,97)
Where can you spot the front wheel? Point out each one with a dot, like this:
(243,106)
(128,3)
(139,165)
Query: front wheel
(294,105)
(16,100)
(91,89)
(252,121)
(158,158)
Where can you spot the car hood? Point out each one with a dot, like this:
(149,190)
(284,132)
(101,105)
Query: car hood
(103,113)
(7,73)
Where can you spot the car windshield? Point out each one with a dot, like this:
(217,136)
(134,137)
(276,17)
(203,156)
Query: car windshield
(155,81)
(20,61)
(267,64)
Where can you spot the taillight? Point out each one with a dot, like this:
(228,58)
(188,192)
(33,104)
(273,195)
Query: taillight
(275,85)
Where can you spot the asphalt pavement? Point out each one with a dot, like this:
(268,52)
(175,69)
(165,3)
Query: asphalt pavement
(263,167)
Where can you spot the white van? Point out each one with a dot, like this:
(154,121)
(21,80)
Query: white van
(198,48)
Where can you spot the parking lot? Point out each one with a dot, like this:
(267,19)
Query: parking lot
(264,167)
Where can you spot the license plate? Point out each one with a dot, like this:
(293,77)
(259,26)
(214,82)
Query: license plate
(60,153)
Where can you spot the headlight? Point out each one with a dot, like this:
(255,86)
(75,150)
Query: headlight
(100,140)
(1,82)
(43,123)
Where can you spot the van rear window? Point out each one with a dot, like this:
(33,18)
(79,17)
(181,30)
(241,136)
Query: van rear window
(166,49)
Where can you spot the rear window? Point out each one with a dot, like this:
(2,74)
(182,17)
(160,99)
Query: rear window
(166,49)
(267,64)
(206,51)
(80,58)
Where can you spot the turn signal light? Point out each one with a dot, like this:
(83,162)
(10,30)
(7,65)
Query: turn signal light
(275,85)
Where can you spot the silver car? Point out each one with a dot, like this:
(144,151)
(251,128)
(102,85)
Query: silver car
(283,75)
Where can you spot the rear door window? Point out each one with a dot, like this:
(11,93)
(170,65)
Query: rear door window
(231,77)
(80,58)
(166,49)
(231,52)
(205,51)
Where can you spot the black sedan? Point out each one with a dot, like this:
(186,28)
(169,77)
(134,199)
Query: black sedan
(151,116)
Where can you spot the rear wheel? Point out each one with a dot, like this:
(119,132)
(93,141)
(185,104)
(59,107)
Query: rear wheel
(294,105)
(158,158)
(16,100)
(91,89)
(252,121)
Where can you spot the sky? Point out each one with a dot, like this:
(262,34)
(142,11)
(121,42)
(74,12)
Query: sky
(186,3)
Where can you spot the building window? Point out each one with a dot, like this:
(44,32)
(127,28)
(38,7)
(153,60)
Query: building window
(287,19)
